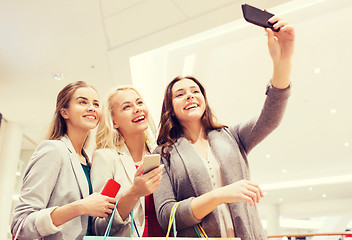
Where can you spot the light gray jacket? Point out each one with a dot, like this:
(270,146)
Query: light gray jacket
(185,176)
(54,177)
(109,163)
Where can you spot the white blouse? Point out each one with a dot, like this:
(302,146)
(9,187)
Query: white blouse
(214,169)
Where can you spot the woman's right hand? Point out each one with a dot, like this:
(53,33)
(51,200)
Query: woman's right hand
(97,205)
(242,190)
(145,184)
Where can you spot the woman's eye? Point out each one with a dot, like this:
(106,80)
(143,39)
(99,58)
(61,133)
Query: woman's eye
(196,91)
(179,95)
(126,107)
(96,105)
(82,102)
(140,103)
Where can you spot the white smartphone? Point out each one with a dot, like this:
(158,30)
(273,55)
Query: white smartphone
(150,162)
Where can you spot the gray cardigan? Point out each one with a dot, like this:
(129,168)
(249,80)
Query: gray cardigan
(54,177)
(184,174)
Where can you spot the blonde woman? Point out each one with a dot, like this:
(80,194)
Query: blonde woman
(125,135)
(55,201)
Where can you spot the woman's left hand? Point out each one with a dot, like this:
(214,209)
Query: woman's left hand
(281,44)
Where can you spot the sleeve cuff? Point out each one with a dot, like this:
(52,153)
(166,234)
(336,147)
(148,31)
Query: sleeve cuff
(44,223)
(187,215)
(118,219)
(277,93)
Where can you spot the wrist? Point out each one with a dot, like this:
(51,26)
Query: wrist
(132,194)
(78,208)
(217,196)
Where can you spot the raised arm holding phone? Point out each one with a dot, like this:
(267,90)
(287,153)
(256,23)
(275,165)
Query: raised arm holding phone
(206,163)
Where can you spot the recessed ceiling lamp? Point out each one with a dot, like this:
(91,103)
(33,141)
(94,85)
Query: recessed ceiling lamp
(346,144)
(267,156)
(317,70)
(284,171)
(333,111)
(324,195)
(58,76)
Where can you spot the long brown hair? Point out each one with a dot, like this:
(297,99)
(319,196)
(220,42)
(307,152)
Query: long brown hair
(170,128)
(58,127)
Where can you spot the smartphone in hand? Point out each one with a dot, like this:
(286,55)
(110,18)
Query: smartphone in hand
(257,16)
(111,188)
(150,162)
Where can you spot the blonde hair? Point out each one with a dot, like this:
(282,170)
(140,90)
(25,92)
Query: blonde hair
(109,137)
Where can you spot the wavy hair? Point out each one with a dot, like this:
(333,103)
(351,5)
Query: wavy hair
(109,137)
(170,128)
(58,126)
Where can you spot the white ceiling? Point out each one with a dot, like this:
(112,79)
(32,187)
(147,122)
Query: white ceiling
(94,40)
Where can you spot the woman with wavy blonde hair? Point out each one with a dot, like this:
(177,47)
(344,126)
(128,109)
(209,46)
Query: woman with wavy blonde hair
(125,135)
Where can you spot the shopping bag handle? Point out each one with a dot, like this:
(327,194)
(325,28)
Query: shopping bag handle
(172,221)
(108,228)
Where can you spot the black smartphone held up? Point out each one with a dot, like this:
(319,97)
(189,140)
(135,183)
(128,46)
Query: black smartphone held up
(150,162)
(257,16)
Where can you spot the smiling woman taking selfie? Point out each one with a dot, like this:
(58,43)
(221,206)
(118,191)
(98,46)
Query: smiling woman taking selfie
(55,201)
(206,166)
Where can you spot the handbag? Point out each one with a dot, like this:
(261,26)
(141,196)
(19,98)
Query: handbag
(172,223)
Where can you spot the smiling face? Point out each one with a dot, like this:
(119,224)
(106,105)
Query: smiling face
(188,101)
(129,113)
(83,111)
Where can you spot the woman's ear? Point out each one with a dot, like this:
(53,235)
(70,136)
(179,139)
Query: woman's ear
(115,124)
(63,113)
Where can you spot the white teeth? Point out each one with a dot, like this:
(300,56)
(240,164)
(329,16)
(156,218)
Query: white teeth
(139,118)
(90,117)
(191,106)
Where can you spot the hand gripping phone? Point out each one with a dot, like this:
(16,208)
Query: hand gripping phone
(150,162)
(258,17)
(111,188)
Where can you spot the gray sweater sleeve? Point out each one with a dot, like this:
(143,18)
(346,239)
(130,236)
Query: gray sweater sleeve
(254,131)
(165,197)
(38,182)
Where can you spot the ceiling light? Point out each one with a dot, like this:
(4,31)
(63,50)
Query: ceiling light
(310,188)
(324,195)
(281,199)
(58,76)
(346,144)
(284,171)
(317,70)
(333,111)
(267,156)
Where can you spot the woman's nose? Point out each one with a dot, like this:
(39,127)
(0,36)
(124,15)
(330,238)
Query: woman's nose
(189,96)
(91,107)
(137,108)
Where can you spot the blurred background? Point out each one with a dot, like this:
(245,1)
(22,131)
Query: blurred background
(304,167)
